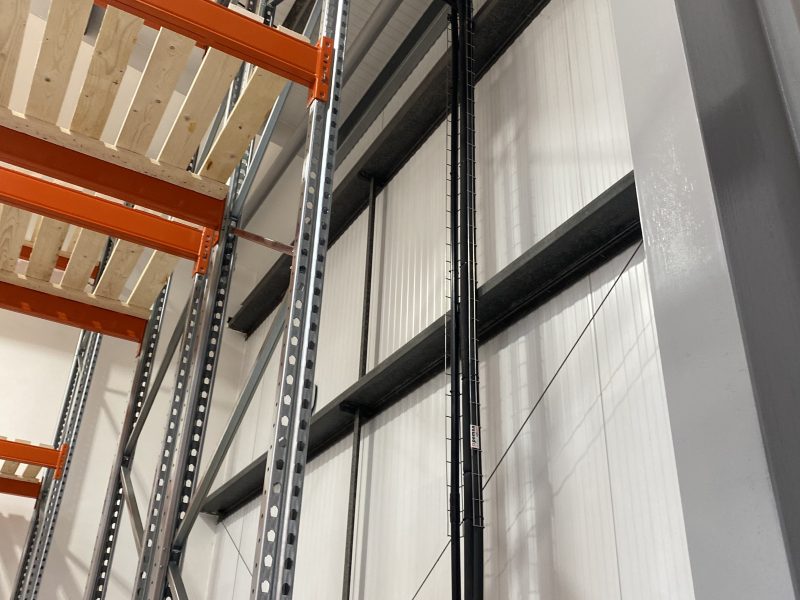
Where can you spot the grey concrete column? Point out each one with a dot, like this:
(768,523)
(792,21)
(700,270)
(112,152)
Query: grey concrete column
(719,192)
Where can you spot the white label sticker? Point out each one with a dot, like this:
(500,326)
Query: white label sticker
(475,437)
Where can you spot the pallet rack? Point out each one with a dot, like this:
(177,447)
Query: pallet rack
(80,194)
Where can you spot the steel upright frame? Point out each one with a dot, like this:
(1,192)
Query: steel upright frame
(276,545)
(173,508)
(42,525)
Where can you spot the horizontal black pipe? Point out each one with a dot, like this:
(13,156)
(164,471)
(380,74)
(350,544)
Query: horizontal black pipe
(497,24)
(587,240)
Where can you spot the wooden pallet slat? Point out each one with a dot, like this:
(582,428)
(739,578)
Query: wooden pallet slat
(13,16)
(31,472)
(47,243)
(113,48)
(86,254)
(247,117)
(155,275)
(167,60)
(122,262)
(199,107)
(13,226)
(63,33)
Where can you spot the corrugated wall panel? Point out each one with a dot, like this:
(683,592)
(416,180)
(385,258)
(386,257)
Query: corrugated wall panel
(549,521)
(340,324)
(551,129)
(408,281)
(402,525)
(320,555)
(651,540)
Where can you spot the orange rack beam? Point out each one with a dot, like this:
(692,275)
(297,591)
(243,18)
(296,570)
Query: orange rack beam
(31,153)
(211,24)
(71,206)
(30,454)
(71,312)
(20,487)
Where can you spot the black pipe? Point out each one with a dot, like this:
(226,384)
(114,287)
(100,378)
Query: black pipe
(362,369)
(453,349)
(468,347)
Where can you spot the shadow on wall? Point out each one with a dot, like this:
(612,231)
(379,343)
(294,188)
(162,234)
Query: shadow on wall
(81,507)
(14,528)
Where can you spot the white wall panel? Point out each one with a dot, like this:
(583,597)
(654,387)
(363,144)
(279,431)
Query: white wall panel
(320,552)
(551,130)
(340,321)
(402,524)
(409,263)
(320,555)
(548,509)
(586,503)
(651,539)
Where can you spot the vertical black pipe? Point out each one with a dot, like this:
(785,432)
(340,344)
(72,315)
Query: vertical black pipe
(362,369)
(453,341)
(468,349)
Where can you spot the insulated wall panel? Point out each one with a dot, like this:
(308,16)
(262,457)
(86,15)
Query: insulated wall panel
(402,512)
(585,503)
(410,249)
(549,520)
(551,129)
(320,555)
(340,321)
(650,533)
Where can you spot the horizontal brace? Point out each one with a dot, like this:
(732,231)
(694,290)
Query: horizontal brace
(287,249)
(71,312)
(110,218)
(214,25)
(19,487)
(30,454)
(56,161)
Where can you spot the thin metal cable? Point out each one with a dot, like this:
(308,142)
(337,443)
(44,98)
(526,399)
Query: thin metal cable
(244,562)
(539,399)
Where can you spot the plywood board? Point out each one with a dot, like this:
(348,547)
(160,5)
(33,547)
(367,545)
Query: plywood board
(63,33)
(46,245)
(13,16)
(86,254)
(123,259)
(247,117)
(153,278)
(199,107)
(164,66)
(118,156)
(112,50)
(13,226)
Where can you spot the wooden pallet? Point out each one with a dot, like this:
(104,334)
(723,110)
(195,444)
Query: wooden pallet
(65,26)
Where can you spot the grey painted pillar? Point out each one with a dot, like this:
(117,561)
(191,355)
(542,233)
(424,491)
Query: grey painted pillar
(719,192)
